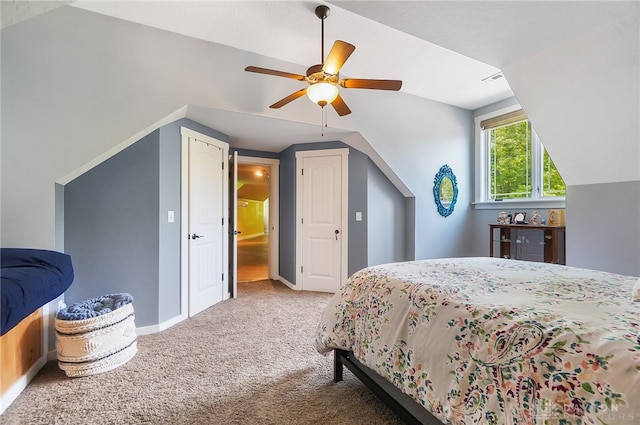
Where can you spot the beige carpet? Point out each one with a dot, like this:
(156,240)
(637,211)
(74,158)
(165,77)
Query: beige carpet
(245,361)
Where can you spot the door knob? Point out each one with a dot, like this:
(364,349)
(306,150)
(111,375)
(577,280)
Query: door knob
(194,236)
(336,232)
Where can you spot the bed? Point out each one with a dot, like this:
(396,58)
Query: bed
(30,279)
(490,341)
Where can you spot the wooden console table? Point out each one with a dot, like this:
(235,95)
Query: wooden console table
(553,237)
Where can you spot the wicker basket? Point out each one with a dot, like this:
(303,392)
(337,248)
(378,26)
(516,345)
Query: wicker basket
(96,344)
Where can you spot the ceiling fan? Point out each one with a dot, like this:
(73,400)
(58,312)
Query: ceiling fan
(324,80)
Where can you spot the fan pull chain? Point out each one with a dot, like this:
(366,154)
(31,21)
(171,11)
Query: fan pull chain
(323,120)
(326,116)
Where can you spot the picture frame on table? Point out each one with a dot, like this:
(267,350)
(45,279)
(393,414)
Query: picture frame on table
(520,218)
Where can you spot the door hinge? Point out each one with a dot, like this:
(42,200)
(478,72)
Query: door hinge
(302,220)
(223,221)
(302,169)
(223,277)
(223,165)
(301,269)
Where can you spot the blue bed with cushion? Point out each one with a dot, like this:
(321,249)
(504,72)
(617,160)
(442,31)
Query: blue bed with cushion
(30,279)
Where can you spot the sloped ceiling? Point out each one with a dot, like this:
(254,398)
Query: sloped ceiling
(253,182)
(79,79)
(290,31)
(442,50)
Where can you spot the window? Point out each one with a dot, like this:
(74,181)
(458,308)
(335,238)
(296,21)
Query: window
(516,166)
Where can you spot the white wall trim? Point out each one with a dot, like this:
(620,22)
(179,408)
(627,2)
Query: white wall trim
(176,115)
(289,284)
(184,225)
(322,152)
(148,330)
(480,148)
(14,391)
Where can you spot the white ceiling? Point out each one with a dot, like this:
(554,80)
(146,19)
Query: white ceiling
(441,50)
(291,32)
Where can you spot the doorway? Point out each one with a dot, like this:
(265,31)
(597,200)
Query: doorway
(257,218)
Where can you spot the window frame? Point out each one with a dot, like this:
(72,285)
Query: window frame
(481,200)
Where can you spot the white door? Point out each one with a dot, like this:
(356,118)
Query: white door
(233,224)
(322,220)
(206,225)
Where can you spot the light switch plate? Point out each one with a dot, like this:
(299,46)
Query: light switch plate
(358,215)
(170,217)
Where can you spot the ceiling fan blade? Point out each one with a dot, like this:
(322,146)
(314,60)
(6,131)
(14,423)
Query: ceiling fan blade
(358,83)
(291,97)
(259,70)
(338,55)
(340,107)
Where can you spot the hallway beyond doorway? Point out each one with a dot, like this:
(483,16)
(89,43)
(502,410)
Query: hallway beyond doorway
(253,259)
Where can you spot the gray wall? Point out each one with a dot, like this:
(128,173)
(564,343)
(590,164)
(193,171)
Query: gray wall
(387,220)
(358,195)
(169,233)
(116,228)
(603,227)
(288,204)
(287,236)
(357,244)
(111,228)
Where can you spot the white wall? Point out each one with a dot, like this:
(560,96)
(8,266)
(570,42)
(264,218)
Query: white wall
(583,99)
(415,142)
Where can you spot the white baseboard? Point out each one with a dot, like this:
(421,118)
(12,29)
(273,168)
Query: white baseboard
(148,330)
(14,391)
(289,284)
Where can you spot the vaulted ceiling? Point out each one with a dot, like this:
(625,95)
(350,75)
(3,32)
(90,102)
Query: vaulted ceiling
(82,79)
(443,51)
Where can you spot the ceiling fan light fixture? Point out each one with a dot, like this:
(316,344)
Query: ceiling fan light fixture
(322,93)
(323,79)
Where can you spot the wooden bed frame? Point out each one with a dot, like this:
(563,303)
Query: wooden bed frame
(21,356)
(409,410)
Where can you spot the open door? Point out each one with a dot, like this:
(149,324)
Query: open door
(233,224)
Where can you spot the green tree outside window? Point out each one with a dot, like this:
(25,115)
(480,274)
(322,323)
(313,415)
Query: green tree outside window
(511,165)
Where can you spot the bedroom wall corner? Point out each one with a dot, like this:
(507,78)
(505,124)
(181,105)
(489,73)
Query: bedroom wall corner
(287,209)
(387,220)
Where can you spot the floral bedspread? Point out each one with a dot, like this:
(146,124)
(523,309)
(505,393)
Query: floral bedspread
(494,341)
